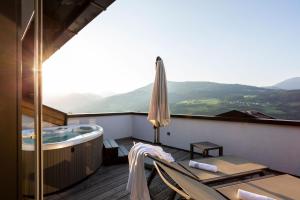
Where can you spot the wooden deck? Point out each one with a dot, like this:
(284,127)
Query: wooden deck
(109,182)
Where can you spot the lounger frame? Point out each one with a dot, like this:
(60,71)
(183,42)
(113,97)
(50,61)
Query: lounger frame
(211,182)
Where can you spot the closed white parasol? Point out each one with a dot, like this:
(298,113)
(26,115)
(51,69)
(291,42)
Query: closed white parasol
(159,114)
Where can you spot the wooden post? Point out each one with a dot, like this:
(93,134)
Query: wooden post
(10,67)
(38,60)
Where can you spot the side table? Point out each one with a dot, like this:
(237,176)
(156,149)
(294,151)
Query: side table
(205,147)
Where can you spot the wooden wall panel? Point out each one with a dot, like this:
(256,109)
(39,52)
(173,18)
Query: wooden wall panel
(9,98)
(49,114)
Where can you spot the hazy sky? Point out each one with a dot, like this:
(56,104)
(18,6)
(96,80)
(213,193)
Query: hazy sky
(255,42)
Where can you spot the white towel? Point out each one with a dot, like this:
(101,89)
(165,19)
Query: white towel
(245,195)
(204,166)
(137,183)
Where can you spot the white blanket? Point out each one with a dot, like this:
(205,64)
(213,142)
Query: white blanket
(137,183)
(204,166)
(245,195)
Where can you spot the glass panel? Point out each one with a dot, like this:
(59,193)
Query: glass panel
(28,133)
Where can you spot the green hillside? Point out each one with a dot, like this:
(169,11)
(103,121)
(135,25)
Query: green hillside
(206,98)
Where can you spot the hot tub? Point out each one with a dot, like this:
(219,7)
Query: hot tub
(71,153)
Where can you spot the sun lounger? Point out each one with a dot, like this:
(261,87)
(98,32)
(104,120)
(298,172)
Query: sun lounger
(282,187)
(279,187)
(229,167)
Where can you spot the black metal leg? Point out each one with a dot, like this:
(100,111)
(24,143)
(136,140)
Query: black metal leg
(221,151)
(151,176)
(204,153)
(191,151)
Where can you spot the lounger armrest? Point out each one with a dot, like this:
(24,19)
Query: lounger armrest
(169,184)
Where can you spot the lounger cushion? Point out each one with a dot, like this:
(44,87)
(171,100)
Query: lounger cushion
(277,187)
(227,167)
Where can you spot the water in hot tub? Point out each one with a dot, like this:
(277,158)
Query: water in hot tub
(59,134)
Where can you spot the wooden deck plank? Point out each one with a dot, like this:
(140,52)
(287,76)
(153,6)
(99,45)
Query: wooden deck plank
(113,143)
(106,144)
(122,151)
(109,182)
(92,184)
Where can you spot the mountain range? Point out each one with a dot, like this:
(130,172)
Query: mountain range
(195,98)
(72,102)
(289,84)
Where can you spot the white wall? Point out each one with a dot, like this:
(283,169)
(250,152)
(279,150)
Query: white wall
(117,126)
(273,145)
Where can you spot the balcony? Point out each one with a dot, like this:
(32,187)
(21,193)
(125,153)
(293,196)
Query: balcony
(273,143)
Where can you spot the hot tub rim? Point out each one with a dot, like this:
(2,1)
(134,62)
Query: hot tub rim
(70,142)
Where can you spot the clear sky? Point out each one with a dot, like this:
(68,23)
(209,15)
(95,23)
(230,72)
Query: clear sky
(255,42)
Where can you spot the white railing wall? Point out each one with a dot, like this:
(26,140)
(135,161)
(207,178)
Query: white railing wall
(277,146)
(273,145)
(117,126)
